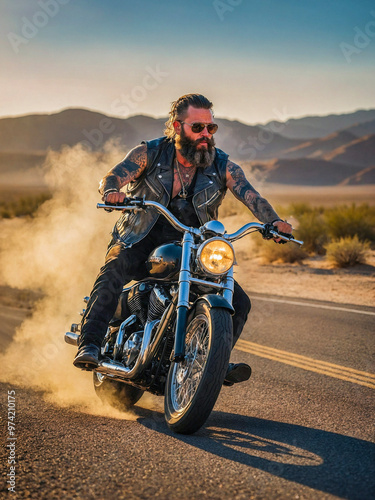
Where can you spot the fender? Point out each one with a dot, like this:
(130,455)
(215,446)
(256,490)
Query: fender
(215,301)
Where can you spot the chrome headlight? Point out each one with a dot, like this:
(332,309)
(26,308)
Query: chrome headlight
(216,256)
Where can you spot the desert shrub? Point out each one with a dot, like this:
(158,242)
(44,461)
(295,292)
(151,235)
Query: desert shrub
(5,213)
(288,253)
(23,206)
(312,230)
(347,251)
(351,220)
(299,209)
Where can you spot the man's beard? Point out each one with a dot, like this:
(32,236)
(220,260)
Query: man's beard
(198,157)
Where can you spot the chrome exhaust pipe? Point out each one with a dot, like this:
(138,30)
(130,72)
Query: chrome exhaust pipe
(112,369)
(147,352)
(148,348)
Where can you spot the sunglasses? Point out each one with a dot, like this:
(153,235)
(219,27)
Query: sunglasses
(198,127)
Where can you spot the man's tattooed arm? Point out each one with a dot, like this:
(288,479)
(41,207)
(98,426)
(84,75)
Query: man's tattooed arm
(126,171)
(244,191)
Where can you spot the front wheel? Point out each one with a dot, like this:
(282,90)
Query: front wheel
(193,385)
(117,394)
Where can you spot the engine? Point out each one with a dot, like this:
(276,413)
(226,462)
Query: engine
(147,300)
(159,300)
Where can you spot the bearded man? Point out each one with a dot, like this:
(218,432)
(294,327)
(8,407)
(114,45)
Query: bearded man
(186,173)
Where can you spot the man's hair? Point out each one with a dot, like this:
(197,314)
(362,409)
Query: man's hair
(179,108)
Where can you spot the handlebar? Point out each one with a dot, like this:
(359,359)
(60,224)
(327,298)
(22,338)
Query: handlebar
(137,204)
(267,230)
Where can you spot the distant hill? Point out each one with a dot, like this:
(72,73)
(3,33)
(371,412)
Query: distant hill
(359,152)
(341,156)
(71,126)
(247,142)
(365,176)
(313,127)
(318,147)
(306,171)
(21,168)
(361,129)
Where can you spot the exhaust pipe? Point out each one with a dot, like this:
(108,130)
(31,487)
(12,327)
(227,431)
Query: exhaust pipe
(148,348)
(112,369)
(115,369)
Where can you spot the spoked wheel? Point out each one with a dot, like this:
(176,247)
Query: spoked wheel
(117,394)
(194,384)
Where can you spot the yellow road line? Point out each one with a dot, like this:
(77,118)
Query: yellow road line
(336,371)
(305,359)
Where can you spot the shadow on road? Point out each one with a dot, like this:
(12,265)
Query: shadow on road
(325,461)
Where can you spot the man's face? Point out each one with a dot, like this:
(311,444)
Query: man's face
(197,148)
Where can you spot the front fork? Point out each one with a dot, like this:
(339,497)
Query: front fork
(184,294)
(183,297)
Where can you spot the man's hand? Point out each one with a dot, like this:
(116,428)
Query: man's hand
(114,197)
(283,227)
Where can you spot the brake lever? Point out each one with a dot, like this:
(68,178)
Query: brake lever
(266,231)
(269,232)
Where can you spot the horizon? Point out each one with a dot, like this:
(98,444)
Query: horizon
(166,115)
(257,61)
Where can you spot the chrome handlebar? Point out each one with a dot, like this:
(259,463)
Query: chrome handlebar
(142,204)
(137,204)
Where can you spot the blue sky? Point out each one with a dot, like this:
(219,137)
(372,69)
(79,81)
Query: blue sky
(257,60)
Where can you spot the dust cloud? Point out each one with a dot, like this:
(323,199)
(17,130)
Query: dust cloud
(59,252)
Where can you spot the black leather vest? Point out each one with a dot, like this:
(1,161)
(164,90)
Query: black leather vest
(156,184)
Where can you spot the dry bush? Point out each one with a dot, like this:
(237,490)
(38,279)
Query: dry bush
(23,206)
(348,251)
(312,230)
(303,208)
(351,220)
(287,253)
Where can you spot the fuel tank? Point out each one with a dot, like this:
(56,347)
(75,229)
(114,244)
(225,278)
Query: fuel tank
(164,262)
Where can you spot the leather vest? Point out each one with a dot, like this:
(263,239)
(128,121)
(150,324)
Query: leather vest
(155,184)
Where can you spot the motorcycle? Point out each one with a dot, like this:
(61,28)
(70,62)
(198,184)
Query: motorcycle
(171,334)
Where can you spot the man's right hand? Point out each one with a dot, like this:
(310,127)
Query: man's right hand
(113,198)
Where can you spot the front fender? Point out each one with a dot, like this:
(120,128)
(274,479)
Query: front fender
(215,301)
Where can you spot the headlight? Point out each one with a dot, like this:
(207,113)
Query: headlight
(216,256)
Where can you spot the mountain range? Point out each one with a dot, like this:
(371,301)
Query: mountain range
(324,150)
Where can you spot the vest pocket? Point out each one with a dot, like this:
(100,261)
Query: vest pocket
(213,198)
(153,188)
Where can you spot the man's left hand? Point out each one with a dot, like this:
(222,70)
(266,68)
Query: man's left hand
(283,227)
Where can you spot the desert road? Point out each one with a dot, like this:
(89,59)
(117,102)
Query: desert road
(301,428)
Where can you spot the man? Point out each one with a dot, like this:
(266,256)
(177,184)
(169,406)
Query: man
(186,173)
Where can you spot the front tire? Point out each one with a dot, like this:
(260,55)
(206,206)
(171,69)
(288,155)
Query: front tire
(194,384)
(117,394)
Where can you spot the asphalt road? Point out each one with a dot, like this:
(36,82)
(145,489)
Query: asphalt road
(302,427)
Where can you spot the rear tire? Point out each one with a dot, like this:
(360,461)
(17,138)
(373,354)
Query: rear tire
(193,385)
(117,394)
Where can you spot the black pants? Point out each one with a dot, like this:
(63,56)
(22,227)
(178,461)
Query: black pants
(123,265)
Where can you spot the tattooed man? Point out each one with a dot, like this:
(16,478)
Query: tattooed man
(186,173)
